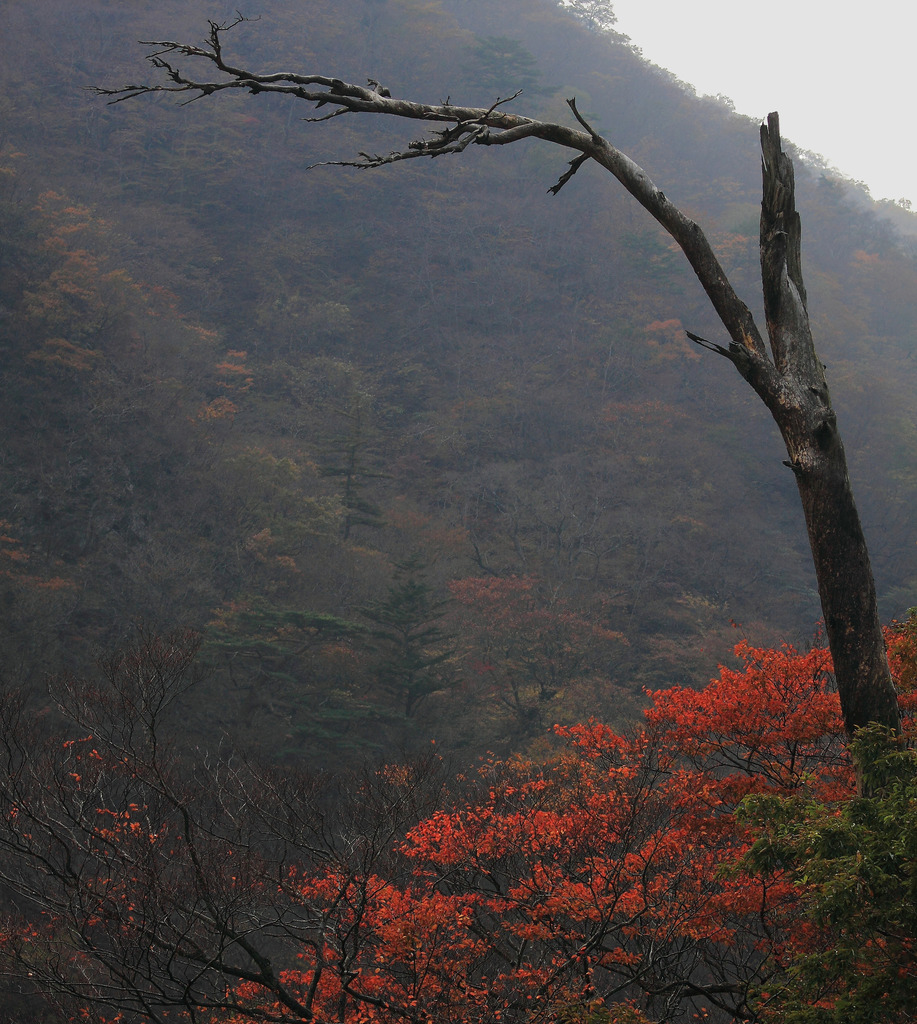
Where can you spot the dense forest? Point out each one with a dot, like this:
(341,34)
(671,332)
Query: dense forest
(423,453)
(391,590)
(262,401)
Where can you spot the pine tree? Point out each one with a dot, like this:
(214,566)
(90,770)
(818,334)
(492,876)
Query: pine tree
(413,650)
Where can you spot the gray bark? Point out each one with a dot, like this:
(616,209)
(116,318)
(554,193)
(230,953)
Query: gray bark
(788,378)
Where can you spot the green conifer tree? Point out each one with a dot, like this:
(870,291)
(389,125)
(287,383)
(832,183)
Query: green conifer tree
(413,649)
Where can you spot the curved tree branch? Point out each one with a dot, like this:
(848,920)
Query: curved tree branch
(789,378)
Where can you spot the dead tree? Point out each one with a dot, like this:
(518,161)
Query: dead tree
(787,375)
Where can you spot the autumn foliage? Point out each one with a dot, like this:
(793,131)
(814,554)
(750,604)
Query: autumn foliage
(610,883)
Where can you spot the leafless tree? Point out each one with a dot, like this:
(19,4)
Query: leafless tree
(785,373)
(168,886)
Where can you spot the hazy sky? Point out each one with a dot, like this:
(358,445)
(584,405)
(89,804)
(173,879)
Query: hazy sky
(842,75)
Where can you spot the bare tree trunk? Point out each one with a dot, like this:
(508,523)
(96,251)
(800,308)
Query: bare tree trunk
(801,407)
(791,383)
(789,378)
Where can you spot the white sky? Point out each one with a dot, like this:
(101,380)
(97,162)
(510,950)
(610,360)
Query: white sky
(842,75)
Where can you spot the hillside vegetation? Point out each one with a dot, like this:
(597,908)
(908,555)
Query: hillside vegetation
(423,452)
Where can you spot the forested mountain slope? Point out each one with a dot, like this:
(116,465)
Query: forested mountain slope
(423,451)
